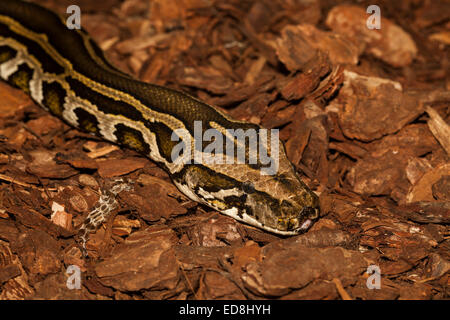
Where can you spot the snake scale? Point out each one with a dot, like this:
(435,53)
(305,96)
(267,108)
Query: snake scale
(66,73)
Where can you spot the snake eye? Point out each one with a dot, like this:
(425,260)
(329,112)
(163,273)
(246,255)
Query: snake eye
(248,187)
(310,212)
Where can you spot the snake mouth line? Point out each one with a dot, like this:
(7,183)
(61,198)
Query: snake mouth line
(303,228)
(255,223)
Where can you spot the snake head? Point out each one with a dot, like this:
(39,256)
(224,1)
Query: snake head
(279,203)
(283,205)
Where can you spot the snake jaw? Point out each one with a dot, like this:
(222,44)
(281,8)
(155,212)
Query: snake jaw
(306,225)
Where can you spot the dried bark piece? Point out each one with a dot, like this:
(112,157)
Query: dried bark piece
(44,125)
(206,78)
(436,266)
(123,227)
(133,7)
(428,212)
(33,219)
(422,191)
(79,203)
(60,217)
(153,208)
(249,253)
(443,37)
(254,70)
(192,257)
(315,154)
(441,189)
(388,290)
(38,252)
(54,287)
(392,159)
(215,286)
(390,268)
(351,149)
(12,101)
(44,165)
(439,128)
(317,290)
(16,136)
(8,230)
(242,92)
(415,138)
(369,107)
(216,232)
(130,46)
(294,50)
(341,207)
(278,114)
(170,14)
(102,28)
(390,43)
(8,272)
(95,286)
(302,84)
(117,167)
(378,175)
(391,233)
(97,152)
(340,49)
(431,13)
(258,15)
(416,291)
(409,252)
(153,264)
(251,109)
(87,180)
(287,269)
(169,187)
(416,168)
(86,5)
(297,144)
(8,264)
(13,279)
(78,161)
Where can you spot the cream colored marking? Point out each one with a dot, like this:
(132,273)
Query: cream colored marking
(9,67)
(233,212)
(38,76)
(222,194)
(188,192)
(205,194)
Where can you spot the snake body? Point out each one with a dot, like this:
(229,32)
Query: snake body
(66,73)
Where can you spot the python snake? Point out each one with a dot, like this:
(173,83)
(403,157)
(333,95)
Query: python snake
(66,73)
